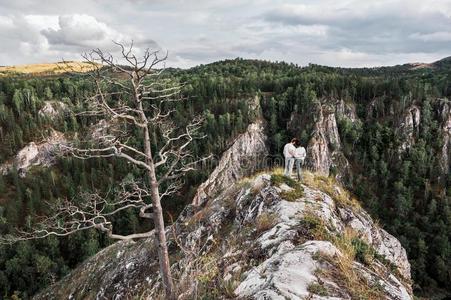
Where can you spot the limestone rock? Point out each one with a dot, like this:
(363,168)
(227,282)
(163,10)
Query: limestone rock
(244,157)
(250,238)
(324,148)
(286,274)
(35,154)
(52,109)
(409,127)
(345,109)
(444,158)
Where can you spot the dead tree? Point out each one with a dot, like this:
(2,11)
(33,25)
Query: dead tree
(131,95)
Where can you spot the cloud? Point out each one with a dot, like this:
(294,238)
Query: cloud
(441,36)
(6,23)
(82,31)
(345,33)
(370,27)
(46,38)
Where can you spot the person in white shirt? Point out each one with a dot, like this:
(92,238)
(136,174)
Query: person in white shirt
(289,153)
(299,156)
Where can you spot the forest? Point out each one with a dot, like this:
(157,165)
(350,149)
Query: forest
(407,192)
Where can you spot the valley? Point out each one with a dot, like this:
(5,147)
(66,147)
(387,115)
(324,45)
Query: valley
(377,139)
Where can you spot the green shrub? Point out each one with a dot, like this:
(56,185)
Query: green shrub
(278,180)
(294,194)
(363,252)
(315,226)
(318,289)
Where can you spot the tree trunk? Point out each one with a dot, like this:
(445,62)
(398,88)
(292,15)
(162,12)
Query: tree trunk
(160,241)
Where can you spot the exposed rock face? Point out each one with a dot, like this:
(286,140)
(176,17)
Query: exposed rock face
(324,148)
(444,158)
(318,154)
(409,127)
(34,154)
(244,157)
(344,109)
(257,241)
(384,243)
(102,131)
(52,109)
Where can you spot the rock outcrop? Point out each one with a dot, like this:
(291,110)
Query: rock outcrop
(409,127)
(34,154)
(324,148)
(345,109)
(53,109)
(444,158)
(244,157)
(266,237)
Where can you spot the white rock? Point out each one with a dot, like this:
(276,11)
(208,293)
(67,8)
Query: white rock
(287,274)
(35,154)
(249,148)
(278,263)
(52,109)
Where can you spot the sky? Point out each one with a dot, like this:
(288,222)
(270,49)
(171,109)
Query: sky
(348,33)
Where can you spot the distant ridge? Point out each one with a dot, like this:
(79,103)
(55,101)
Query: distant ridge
(46,68)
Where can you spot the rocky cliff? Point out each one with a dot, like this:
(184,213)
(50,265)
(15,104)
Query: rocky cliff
(266,237)
(408,127)
(445,115)
(53,109)
(324,149)
(345,109)
(244,157)
(41,153)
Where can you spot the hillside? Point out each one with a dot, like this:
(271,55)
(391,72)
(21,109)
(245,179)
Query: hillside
(45,69)
(382,133)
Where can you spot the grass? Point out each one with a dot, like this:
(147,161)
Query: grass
(364,253)
(293,195)
(265,221)
(334,189)
(342,270)
(277,179)
(228,287)
(352,248)
(209,269)
(315,226)
(53,68)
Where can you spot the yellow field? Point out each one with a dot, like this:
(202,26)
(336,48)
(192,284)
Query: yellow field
(46,69)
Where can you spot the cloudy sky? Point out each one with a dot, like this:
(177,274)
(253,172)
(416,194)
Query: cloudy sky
(337,33)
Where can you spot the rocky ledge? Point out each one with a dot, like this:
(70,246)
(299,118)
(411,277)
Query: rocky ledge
(266,237)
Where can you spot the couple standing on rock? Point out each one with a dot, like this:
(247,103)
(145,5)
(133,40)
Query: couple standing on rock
(293,153)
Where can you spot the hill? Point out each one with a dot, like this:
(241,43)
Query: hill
(45,69)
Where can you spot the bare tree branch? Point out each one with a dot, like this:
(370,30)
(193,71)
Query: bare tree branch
(135,102)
